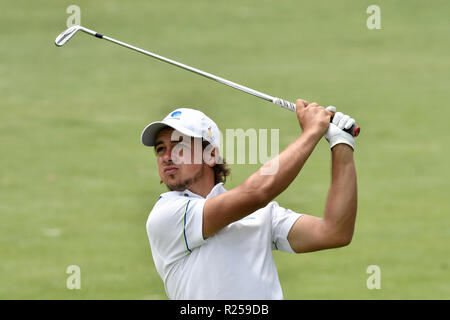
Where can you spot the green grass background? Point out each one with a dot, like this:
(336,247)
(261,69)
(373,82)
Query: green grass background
(76,185)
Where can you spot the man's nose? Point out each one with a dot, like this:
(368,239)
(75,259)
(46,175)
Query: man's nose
(167,156)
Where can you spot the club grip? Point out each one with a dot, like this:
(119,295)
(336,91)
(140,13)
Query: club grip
(284,104)
(354,130)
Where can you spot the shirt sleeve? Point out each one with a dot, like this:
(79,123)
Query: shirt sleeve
(282,222)
(174,227)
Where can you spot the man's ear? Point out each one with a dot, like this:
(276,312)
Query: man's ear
(209,156)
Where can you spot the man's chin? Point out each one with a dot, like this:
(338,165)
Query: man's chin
(175,187)
(174,184)
(178,186)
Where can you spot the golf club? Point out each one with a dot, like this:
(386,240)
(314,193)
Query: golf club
(70,32)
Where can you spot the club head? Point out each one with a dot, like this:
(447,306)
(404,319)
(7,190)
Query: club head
(66,35)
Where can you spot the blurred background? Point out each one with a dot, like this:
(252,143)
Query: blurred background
(76,185)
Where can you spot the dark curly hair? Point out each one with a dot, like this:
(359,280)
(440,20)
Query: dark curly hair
(221,171)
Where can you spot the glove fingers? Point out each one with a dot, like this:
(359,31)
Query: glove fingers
(331,108)
(337,117)
(343,121)
(350,122)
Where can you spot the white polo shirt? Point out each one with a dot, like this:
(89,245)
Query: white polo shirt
(235,263)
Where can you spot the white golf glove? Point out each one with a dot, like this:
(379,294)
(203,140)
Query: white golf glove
(336,133)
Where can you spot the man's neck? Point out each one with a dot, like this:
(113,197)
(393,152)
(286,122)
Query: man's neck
(202,189)
(203,186)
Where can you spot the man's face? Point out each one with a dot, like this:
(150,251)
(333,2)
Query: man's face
(179,165)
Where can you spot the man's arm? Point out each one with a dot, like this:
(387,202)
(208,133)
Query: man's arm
(258,190)
(335,229)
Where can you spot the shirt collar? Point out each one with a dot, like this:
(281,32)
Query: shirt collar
(216,190)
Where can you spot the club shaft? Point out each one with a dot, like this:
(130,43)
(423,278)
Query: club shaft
(186,67)
(278,101)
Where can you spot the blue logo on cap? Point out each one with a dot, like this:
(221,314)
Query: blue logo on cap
(176,114)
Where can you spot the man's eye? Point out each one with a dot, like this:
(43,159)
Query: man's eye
(160,150)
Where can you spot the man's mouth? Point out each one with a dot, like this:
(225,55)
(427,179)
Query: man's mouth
(170,170)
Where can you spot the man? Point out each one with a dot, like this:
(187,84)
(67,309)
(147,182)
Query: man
(210,243)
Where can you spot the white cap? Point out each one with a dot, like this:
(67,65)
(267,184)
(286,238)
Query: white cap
(190,122)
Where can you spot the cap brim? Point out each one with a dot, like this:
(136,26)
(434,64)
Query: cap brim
(148,136)
(149,133)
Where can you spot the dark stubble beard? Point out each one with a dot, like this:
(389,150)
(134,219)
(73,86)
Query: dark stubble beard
(183,185)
